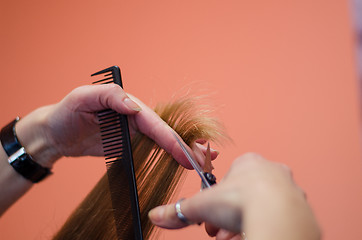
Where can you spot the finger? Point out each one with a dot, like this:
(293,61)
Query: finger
(227,235)
(211,229)
(203,207)
(237,237)
(93,98)
(199,155)
(214,153)
(201,141)
(150,124)
(166,217)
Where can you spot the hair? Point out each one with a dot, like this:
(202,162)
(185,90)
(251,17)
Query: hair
(157,176)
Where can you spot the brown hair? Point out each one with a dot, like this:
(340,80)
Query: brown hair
(157,176)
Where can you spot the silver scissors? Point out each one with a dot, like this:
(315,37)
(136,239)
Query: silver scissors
(207,178)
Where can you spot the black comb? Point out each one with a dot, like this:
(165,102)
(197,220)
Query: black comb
(119,161)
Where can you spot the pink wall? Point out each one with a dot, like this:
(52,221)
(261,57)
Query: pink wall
(281,73)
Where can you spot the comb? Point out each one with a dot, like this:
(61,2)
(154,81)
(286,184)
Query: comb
(119,162)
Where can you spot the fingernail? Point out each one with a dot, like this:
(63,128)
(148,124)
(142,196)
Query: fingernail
(215,151)
(156,214)
(131,104)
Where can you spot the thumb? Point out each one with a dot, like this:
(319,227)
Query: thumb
(207,206)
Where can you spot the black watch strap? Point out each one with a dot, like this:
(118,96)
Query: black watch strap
(21,161)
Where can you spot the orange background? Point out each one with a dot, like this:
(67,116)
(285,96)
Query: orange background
(281,74)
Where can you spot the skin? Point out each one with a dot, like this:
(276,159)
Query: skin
(256,196)
(70,128)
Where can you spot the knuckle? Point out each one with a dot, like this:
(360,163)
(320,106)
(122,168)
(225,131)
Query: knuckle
(115,88)
(77,96)
(113,92)
(249,157)
(78,90)
(287,169)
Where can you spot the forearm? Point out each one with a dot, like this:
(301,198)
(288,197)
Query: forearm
(31,134)
(12,184)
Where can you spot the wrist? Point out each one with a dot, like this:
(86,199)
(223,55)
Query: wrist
(33,136)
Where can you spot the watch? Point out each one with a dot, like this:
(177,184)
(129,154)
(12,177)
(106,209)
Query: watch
(19,159)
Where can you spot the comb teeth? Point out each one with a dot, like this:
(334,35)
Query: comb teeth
(118,156)
(105,79)
(110,121)
(110,75)
(112,134)
(110,69)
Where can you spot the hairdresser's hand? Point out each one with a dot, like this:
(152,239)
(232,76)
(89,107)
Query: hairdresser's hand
(256,196)
(70,127)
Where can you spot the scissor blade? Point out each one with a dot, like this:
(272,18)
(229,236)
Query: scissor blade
(193,162)
(208,165)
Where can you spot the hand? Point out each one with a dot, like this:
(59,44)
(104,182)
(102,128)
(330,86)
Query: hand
(256,196)
(70,127)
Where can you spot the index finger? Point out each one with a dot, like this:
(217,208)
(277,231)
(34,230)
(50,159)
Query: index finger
(150,124)
(93,98)
(209,206)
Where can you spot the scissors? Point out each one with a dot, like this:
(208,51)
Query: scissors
(207,178)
